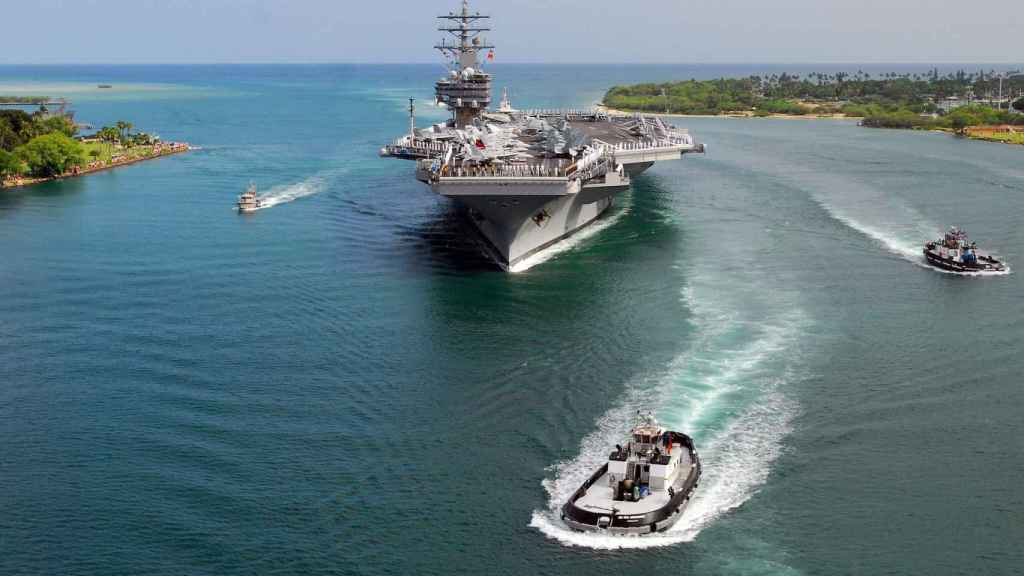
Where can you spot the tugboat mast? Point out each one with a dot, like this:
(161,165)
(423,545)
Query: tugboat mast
(467,89)
(412,118)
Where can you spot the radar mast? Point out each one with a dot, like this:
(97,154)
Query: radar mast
(467,89)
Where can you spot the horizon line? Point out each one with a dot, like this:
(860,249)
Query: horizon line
(532,63)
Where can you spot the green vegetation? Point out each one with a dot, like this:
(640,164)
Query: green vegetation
(958,120)
(42,145)
(51,155)
(37,144)
(1019,105)
(18,127)
(10,165)
(859,94)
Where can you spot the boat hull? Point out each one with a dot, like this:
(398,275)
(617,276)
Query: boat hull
(985,264)
(525,219)
(512,236)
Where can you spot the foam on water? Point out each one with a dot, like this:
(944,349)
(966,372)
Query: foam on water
(896,238)
(881,215)
(290,192)
(901,238)
(727,390)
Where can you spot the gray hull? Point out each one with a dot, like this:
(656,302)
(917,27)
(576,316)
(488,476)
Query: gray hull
(512,234)
(659,526)
(519,217)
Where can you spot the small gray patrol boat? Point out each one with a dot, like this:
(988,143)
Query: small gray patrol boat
(643,488)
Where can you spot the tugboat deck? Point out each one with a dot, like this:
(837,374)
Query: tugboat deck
(601,493)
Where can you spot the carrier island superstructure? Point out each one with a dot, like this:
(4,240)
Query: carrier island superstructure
(529,178)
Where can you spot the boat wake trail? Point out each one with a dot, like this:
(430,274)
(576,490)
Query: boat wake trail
(290,192)
(727,390)
(887,220)
(872,212)
(899,228)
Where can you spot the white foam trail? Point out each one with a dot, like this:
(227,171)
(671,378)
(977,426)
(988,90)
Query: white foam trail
(893,241)
(291,192)
(897,239)
(737,462)
(878,214)
(710,376)
(571,242)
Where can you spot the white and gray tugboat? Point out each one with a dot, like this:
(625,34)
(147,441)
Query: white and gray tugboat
(529,178)
(643,488)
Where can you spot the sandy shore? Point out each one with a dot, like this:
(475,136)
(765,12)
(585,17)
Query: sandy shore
(744,114)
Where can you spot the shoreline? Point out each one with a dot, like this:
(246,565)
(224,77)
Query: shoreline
(176,148)
(977,133)
(739,114)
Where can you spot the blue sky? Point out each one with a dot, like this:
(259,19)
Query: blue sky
(159,31)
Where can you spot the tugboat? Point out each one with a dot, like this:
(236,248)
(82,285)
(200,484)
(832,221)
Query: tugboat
(955,253)
(248,201)
(642,489)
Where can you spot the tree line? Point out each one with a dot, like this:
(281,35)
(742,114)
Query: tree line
(788,93)
(958,119)
(43,145)
(37,144)
(23,100)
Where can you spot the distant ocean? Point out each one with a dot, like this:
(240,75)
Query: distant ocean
(342,384)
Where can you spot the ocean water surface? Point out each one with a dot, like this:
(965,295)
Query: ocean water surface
(342,384)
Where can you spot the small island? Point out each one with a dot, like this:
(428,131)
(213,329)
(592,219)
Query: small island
(982,105)
(44,146)
(28,100)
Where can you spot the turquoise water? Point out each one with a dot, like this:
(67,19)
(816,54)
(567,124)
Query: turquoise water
(341,384)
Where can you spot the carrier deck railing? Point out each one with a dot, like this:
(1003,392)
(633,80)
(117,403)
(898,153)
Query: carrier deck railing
(568,114)
(415,148)
(595,164)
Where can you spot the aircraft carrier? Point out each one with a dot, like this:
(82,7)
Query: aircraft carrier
(529,178)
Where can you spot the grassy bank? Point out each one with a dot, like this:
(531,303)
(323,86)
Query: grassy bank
(996,134)
(107,157)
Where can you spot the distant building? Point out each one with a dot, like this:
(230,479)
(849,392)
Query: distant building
(951,103)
